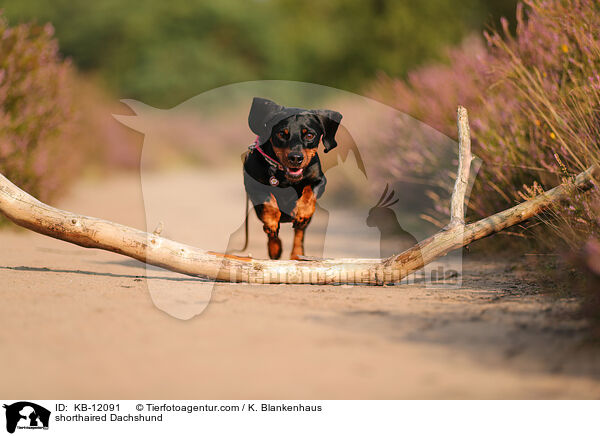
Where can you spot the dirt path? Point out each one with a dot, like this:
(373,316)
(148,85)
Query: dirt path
(79,323)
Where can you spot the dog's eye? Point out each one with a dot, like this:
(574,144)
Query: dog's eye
(281,135)
(310,136)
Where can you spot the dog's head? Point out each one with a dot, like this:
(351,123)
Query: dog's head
(294,133)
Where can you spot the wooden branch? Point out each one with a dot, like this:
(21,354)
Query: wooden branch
(457,204)
(26,211)
(455,237)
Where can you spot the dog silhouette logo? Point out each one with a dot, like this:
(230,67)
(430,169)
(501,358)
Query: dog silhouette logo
(26,415)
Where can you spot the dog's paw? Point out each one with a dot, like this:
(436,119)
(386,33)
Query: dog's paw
(274,246)
(300,222)
(301,219)
(304,210)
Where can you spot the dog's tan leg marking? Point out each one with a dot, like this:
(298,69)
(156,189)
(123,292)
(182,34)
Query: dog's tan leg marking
(303,212)
(270,216)
(305,207)
(298,249)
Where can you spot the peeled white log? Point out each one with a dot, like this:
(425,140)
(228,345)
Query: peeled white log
(26,211)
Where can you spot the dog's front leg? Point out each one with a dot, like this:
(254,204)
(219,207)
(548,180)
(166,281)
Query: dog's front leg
(303,212)
(270,214)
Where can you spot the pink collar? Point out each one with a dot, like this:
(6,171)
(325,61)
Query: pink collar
(269,159)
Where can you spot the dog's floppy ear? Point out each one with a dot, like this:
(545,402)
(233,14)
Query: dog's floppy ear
(330,121)
(261,112)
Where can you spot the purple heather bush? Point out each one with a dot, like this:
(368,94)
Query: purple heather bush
(35,110)
(534,106)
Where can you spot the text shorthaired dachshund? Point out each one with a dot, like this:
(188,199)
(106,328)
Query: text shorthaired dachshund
(282,172)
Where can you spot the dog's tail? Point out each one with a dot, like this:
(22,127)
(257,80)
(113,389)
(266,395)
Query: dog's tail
(246,225)
(244,159)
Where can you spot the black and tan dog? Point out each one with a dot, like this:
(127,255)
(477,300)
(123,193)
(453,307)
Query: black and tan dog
(282,171)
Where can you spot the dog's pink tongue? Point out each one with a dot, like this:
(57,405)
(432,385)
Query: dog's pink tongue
(295,172)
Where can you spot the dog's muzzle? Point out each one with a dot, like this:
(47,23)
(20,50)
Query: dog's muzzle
(294,174)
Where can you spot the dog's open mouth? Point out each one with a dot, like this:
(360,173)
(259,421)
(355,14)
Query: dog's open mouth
(294,173)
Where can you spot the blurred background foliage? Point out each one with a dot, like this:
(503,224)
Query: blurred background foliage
(165,52)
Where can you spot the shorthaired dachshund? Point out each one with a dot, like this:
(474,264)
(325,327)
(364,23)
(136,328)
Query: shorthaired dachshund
(282,171)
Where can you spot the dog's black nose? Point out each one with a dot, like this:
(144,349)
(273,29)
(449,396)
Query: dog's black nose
(295,158)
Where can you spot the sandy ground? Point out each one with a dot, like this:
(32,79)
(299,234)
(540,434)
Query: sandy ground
(79,323)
